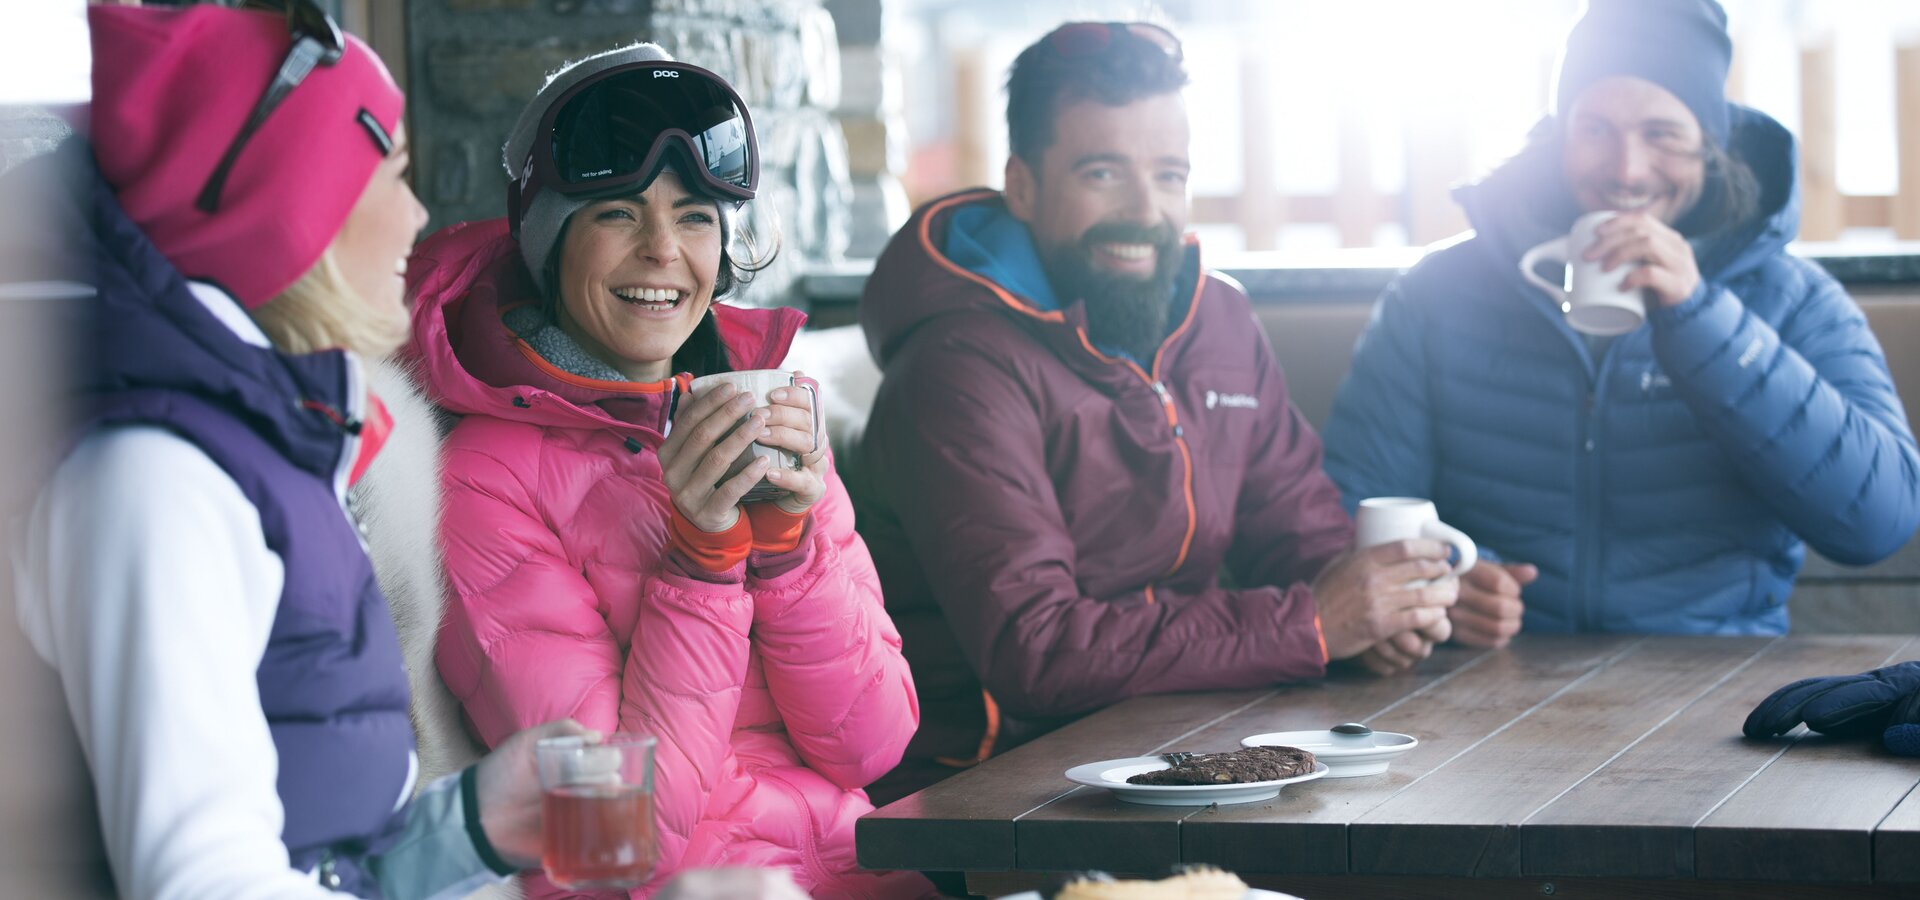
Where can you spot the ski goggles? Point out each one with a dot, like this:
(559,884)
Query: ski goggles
(612,132)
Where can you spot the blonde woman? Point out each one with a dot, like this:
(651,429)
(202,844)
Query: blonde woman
(192,569)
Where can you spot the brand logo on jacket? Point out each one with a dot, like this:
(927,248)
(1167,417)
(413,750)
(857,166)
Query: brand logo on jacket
(1232,401)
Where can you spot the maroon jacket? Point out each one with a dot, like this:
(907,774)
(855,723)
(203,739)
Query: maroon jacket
(1055,524)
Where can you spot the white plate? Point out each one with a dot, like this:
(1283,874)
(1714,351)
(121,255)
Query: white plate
(1113,774)
(1344,762)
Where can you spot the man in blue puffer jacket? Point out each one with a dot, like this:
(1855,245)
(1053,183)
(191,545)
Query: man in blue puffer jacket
(1663,480)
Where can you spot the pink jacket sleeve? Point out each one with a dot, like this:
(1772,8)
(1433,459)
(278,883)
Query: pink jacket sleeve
(523,641)
(684,677)
(831,654)
(526,642)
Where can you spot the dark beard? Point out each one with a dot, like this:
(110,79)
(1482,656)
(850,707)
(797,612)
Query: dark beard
(1126,312)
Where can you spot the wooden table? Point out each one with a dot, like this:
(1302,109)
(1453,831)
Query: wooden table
(1580,766)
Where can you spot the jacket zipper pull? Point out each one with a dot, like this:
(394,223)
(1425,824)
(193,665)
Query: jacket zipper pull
(1166,403)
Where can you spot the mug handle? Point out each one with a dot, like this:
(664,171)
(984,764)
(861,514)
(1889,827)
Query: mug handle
(813,389)
(1556,250)
(1462,545)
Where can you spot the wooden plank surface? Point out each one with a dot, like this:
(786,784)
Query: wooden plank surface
(966,822)
(1402,887)
(1896,844)
(1811,815)
(1635,817)
(1463,819)
(1585,761)
(1449,716)
(1354,887)
(1089,829)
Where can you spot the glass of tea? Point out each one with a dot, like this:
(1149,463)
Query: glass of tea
(598,811)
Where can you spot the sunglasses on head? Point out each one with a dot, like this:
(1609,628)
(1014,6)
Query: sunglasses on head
(612,133)
(1078,39)
(316,42)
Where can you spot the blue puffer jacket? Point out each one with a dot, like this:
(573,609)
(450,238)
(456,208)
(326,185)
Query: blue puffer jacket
(1667,485)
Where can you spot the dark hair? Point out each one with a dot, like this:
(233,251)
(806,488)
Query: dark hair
(1730,196)
(1127,68)
(703,353)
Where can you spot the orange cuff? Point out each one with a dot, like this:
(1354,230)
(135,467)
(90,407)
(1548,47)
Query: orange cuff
(774,529)
(1321,634)
(712,551)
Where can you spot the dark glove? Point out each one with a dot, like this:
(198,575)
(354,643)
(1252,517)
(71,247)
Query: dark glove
(1880,702)
(1903,729)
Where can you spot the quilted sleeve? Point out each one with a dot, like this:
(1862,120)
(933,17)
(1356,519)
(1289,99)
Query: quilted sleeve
(831,653)
(1807,411)
(524,641)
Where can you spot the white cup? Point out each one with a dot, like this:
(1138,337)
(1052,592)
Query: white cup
(1591,297)
(1382,520)
(760,383)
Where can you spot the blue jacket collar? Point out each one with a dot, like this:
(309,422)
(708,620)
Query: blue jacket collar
(987,240)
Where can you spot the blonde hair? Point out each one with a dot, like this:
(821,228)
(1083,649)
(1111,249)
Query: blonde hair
(321,311)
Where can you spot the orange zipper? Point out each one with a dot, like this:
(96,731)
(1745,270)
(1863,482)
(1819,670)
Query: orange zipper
(1166,400)
(1186,458)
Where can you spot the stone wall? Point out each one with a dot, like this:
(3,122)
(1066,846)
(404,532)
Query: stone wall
(473,63)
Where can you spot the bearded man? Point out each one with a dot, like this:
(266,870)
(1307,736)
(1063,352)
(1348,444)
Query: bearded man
(1083,479)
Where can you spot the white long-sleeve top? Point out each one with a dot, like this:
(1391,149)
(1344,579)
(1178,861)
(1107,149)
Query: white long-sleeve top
(146,581)
(144,577)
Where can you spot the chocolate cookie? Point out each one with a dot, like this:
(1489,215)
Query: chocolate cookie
(1238,767)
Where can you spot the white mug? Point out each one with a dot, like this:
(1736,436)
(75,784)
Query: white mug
(1594,303)
(760,383)
(1381,520)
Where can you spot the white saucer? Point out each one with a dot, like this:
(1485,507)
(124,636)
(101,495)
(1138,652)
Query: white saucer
(1343,761)
(1113,774)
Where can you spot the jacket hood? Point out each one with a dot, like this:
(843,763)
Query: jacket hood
(464,277)
(146,337)
(1525,202)
(916,281)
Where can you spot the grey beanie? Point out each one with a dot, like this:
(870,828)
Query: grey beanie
(548,212)
(1680,45)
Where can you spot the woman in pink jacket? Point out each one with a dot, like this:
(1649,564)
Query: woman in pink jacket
(602,565)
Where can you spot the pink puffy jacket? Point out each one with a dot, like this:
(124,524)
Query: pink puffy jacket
(775,700)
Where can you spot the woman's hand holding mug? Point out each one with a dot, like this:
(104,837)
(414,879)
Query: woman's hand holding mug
(790,427)
(702,445)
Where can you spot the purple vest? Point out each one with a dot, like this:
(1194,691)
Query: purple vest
(332,682)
